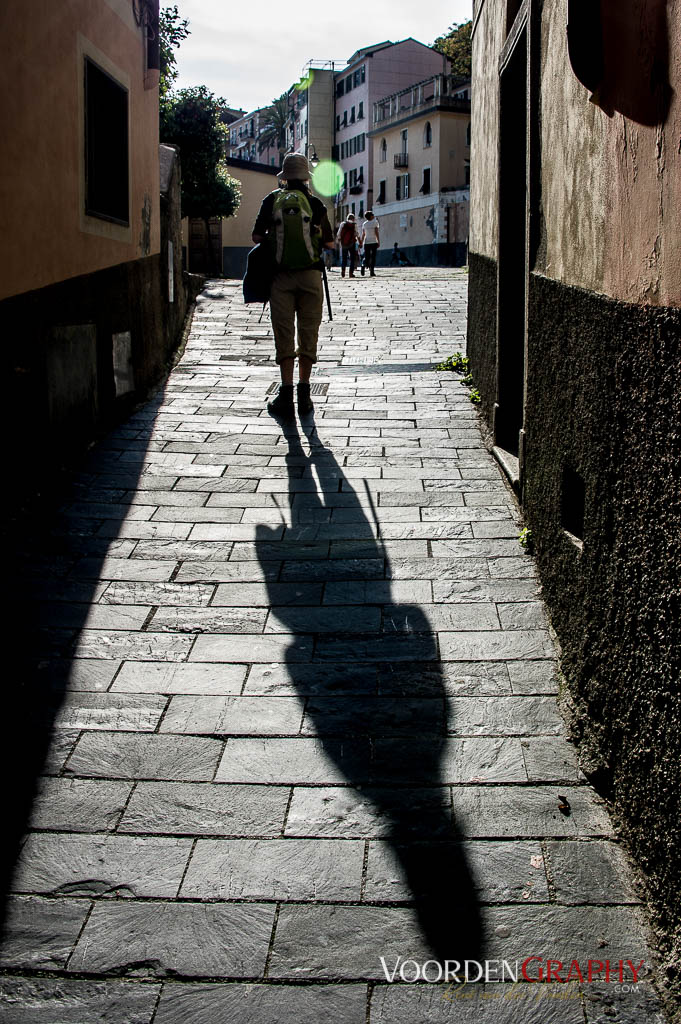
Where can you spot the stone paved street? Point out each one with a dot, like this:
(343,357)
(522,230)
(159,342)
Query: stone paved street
(303,706)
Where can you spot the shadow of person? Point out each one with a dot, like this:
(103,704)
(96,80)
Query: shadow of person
(375,699)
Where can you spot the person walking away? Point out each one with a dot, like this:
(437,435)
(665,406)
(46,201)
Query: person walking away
(370,240)
(348,237)
(294,223)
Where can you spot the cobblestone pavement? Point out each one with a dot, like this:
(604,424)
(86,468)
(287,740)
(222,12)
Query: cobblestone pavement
(303,708)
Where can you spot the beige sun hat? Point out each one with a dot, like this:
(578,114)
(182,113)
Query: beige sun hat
(295,167)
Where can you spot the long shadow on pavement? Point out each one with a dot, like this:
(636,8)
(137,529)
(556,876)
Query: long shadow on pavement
(57,548)
(375,699)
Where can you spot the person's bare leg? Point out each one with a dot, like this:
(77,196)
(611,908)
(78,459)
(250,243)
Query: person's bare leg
(304,369)
(286,368)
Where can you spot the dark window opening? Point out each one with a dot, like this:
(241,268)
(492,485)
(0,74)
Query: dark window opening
(425,188)
(572,503)
(107,192)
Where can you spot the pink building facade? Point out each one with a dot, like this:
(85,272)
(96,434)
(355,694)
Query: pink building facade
(372,73)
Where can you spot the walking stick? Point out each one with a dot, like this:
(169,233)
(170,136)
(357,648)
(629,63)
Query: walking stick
(326,289)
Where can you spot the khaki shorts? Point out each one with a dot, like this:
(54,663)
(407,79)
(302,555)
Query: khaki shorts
(296,295)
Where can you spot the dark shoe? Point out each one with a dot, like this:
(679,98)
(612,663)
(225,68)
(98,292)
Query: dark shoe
(362,271)
(282,405)
(352,273)
(343,272)
(305,406)
(372,274)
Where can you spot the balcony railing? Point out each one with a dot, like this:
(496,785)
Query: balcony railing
(401,160)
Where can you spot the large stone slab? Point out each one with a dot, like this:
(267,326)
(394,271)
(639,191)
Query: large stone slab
(511,872)
(189,939)
(474,1004)
(233,715)
(260,1004)
(101,865)
(437,760)
(512,645)
(135,756)
(295,761)
(247,648)
(275,869)
(321,678)
(590,872)
(164,677)
(343,812)
(69,1001)
(504,716)
(78,805)
(120,712)
(508,811)
(209,620)
(39,934)
(205,809)
(343,942)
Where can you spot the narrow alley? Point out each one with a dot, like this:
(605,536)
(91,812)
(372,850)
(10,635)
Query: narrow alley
(305,743)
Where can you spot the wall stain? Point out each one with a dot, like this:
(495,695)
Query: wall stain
(145,234)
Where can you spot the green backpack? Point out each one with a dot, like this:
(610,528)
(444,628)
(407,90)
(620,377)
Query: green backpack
(297,241)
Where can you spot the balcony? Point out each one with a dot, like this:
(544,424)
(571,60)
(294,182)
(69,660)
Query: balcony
(401,160)
(442,92)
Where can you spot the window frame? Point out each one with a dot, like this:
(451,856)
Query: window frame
(89,204)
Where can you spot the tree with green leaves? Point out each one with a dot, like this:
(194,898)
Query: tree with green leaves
(172,31)
(457,45)
(190,119)
(274,122)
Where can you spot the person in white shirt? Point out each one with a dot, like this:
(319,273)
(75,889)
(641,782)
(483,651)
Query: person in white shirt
(371,241)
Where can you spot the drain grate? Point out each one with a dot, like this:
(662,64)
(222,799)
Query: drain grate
(315,389)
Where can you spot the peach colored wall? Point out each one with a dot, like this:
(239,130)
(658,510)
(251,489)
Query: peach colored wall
(611,185)
(489,22)
(45,233)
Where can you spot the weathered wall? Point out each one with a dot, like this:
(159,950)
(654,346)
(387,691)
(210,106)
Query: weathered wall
(602,413)
(59,358)
(488,38)
(78,354)
(611,185)
(604,401)
(49,238)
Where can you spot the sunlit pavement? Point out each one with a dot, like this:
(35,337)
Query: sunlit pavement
(304,719)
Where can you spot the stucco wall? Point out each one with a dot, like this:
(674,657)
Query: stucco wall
(48,237)
(612,186)
(488,38)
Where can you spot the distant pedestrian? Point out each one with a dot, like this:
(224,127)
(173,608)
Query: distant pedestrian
(371,241)
(399,258)
(296,226)
(348,237)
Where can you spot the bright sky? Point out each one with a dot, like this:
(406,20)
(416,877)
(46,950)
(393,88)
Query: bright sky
(250,51)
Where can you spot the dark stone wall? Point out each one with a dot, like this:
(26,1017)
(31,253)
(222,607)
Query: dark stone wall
(449,254)
(482,329)
(604,411)
(58,358)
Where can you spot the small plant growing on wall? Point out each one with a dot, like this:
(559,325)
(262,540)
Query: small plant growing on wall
(475,396)
(525,539)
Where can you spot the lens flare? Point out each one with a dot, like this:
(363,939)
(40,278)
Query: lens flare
(306,81)
(327,178)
